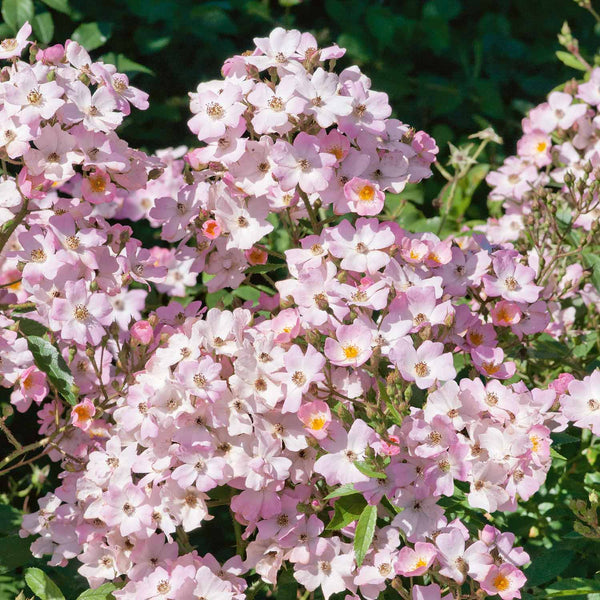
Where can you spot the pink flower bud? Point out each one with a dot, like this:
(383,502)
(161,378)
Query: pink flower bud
(256,256)
(142,332)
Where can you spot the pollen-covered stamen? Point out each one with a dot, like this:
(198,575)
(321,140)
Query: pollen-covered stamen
(72,242)
(163,586)
(283,520)
(360,296)
(491,399)
(511,283)
(80,312)
(593,404)
(9,135)
(199,380)
(421,369)
(351,455)
(34,97)
(38,255)
(299,378)
(316,249)
(53,157)
(317,101)
(420,318)
(128,509)
(242,222)
(435,437)
(304,164)
(360,110)
(200,465)
(385,569)
(8,44)
(119,84)
(280,58)
(260,385)
(215,110)
(276,104)
(361,248)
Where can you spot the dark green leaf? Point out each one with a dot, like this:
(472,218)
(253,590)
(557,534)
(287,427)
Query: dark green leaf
(59,5)
(365,529)
(48,360)
(10,519)
(43,27)
(14,552)
(31,327)
(42,585)
(92,35)
(547,565)
(16,12)
(347,510)
(287,586)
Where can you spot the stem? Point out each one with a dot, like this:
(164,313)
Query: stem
(28,448)
(8,433)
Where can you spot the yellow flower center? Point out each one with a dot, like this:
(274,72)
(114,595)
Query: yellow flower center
(420,563)
(317,422)
(97,183)
(351,351)
(490,368)
(535,443)
(366,193)
(541,146)
(501,583)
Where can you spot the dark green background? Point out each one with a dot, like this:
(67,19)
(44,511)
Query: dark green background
(450,66)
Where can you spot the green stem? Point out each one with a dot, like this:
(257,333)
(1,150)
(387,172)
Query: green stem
(12,225)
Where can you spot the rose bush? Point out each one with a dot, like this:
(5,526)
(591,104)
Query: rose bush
(362,398)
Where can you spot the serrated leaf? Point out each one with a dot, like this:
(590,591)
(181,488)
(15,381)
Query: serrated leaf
(367,470)
(104,592)
(347,510)
(92,35)
(43,27)
(344,490)
(570,60)
(365,529)
(59,5)
(266,268)
(42,585)
(49,360)
(16,12)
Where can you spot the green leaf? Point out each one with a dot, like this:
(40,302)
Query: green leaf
(266,268)
(367,470)
(125,65)
(14,552)
(42,585)
(575,587)
(48,360)
(287,586)
(59,5)
(31,327)
(43,27)
(547,565)
(347,510)
(558,439)
(104,592)
(344,490)
(92,35)
(547,348)
(10,519)
(570,60)
(365,529)
(16,12)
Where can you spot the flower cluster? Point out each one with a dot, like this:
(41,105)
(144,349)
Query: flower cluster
(334,414)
